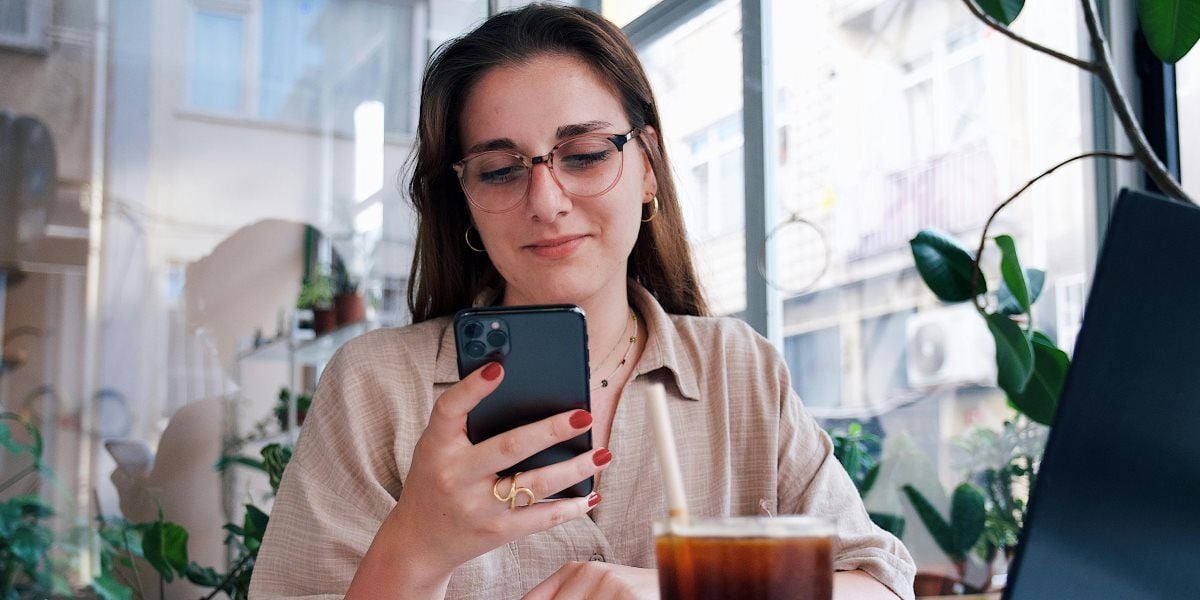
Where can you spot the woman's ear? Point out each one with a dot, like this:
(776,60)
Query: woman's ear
(649,147)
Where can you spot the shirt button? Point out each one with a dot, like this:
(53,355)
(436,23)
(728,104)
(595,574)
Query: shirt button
(597,558)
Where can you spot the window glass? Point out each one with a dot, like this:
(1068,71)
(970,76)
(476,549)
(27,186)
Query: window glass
(1187,82)
(243,146)
(311,62)
(622,12)
(897,117)
(215,74)
(701,58)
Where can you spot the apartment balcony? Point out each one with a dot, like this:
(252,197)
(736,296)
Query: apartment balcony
(953,192)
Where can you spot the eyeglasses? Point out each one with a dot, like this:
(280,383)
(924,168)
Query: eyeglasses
(585,166)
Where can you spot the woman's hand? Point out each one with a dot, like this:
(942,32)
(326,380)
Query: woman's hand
(597,581)
(447,514)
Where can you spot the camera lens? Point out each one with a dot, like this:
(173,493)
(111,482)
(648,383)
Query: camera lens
(497,338)
(476,349)
(473,329)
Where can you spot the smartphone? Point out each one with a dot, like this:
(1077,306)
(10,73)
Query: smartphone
(544,351)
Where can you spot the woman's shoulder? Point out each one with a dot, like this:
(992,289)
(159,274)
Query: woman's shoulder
(723,342)
(715,332)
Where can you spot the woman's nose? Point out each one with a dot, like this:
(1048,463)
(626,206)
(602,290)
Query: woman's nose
(546,201)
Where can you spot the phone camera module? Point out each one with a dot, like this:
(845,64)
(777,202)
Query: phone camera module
(473,329)
(476,349)
(497,338)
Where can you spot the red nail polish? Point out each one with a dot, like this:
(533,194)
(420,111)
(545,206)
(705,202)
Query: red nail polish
(492,371)
(581,419)
(601,457)
(594,500)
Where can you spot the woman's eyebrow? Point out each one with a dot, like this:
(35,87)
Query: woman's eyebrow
(575,129)
(564,131)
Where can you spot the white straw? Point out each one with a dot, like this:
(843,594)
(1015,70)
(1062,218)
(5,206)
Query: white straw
(668,459)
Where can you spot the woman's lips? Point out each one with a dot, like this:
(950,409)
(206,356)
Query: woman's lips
(556,248)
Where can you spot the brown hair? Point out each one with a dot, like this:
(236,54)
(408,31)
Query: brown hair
(446,274)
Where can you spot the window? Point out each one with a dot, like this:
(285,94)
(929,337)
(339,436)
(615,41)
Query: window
(216,58)
(24,24)
(715,167)
(1187,82)
(902,116)
(305,62)
(814,359)
(701,59)
(622,12)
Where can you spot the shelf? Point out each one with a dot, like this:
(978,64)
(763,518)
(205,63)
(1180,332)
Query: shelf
(321,348)
(312,351)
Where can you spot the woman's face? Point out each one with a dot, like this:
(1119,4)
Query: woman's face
(553,247)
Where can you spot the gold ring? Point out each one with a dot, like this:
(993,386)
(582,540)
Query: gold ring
(514,492)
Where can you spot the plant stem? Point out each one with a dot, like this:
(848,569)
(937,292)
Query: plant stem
(1101,67)
(132,559)
(1088,66)
(1108,78)
(15,478)
(228,578)
(975,271)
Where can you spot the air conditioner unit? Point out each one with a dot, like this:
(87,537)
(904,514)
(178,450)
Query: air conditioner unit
(949,346)
(24,25)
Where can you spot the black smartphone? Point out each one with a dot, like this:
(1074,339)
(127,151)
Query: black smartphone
(544,351)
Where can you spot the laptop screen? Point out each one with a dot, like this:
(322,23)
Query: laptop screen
(1115,512)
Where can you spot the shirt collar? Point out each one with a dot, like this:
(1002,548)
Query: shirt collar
(664,347)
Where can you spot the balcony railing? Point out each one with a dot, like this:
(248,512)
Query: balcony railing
(954,192)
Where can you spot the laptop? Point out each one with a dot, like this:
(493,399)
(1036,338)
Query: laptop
(1115,512)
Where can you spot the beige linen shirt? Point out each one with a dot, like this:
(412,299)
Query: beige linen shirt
(743,438)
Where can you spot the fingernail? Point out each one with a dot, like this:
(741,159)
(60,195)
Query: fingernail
(593,500)
(601,457)
(492,371)
(581,419)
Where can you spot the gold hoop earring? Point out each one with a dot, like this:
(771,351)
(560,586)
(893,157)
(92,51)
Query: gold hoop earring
(653,210)
(467,237)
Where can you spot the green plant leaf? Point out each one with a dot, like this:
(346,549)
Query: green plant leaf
(254,525)
(16,447)
(1008,303)
(1004,11)
(202,576)
(1171,26)
(1013,274)
(1014,354)
(32,506)
(967,517)
(868,481)
(938,528)
(30,544)
(1039,399)
(109,588)
(944,265)
(165,547)
(276,459)
(893,524)
(123,537)
(225,461)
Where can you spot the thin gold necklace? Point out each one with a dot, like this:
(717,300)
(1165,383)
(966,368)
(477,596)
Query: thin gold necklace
(624,357)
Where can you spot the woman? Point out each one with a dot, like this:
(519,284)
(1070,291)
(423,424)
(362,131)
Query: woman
(386,497)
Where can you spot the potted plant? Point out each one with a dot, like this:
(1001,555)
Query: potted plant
(852,448)
(303,402)
(957,537)
(316,294)
(348,303)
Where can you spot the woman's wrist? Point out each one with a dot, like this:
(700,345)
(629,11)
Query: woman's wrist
(399,565)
